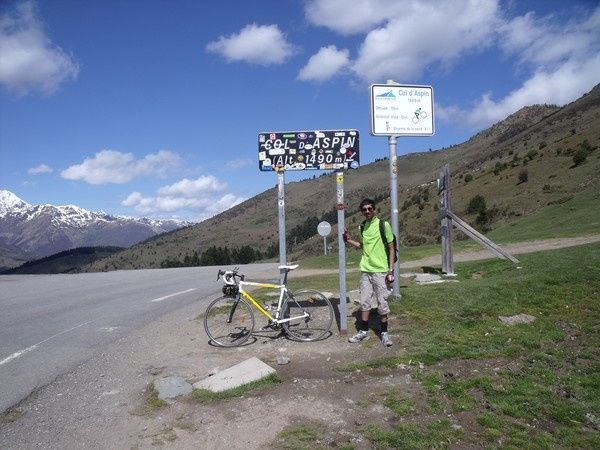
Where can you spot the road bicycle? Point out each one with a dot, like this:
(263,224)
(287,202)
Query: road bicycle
(304,315)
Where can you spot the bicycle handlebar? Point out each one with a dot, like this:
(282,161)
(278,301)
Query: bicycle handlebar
(229,276)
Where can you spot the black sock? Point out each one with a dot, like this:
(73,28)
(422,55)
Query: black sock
(364,325)
(384,327)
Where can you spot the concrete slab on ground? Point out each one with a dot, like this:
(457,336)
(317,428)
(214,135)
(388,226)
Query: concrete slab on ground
(171,387)
(247,371)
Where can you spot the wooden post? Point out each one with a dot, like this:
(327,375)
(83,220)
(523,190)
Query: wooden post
(445,221)
(478,237)
(448,220)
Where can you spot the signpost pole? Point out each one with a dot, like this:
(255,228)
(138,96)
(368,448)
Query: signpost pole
(339,177)
(281,206)
(394,208)
(400,110)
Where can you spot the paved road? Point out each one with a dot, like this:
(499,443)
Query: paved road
(49,324)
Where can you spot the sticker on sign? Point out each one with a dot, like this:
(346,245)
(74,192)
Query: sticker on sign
(401,110)
(306,150)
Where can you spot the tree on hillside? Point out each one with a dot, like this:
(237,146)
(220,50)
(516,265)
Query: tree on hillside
(476,205)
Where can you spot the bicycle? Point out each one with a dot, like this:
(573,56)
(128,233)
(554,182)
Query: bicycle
(305,315)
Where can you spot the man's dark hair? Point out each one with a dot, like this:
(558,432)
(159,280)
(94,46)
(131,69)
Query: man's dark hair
(367,201)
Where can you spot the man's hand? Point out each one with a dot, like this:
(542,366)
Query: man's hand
(389,278)
(345,235)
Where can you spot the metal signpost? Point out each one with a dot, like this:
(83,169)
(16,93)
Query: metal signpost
(281,221)
(400,110)
(312,150)
(339,180)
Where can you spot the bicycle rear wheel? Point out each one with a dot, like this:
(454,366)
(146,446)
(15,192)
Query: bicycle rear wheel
(319,315)
(229,322)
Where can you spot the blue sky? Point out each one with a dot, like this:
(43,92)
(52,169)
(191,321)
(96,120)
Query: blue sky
(152,108)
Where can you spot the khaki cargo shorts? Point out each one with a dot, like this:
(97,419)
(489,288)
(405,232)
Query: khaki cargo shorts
(374,292)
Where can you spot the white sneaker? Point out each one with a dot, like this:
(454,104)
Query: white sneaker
(385,339)
(362,335)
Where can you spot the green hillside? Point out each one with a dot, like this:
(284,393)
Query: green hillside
(538,173)
(64,262)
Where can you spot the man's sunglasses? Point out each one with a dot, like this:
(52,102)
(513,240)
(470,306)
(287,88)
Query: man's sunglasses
(367,209)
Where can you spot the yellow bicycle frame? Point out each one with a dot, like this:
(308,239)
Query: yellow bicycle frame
(256,304)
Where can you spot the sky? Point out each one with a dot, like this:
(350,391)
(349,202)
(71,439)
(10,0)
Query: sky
(152,108)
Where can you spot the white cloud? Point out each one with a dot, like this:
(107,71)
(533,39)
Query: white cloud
(224,203)
(565,64)
(29,61)
(191,188)
(42,168)
(187,197)
(351,17)
(256,44)
(426,33)
(323,65)
(568,82)
(111,166)
(133,199)
(544,42)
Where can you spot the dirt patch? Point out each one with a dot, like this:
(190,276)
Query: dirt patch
(315,398)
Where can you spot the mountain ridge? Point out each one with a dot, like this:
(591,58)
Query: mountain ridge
(35,231)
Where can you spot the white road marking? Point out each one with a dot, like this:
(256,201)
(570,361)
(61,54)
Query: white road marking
(34,346)
(160,299)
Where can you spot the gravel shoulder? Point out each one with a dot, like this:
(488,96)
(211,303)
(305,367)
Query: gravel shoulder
(103,403)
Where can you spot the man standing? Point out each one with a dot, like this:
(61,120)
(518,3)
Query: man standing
(377,270)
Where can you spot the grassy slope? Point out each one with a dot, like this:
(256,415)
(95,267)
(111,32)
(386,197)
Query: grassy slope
(487,384)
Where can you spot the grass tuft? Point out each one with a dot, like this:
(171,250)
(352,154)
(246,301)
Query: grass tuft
(206,396)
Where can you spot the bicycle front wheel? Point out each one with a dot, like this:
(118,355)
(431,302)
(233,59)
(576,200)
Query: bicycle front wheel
(229,322)
(310,314)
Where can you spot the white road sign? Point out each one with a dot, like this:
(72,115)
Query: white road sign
(401,110)
(324,228)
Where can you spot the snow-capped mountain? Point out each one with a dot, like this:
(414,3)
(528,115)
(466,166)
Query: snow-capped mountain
(10,202)
(33,231)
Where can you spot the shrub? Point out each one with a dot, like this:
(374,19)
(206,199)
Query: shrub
(531,154)
(499,167)
(585,145)
(486,216)
(468,178)
(476,205)
(579,157)
(523,176)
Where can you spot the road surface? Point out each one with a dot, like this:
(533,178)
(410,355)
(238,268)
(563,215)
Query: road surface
(50,324)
